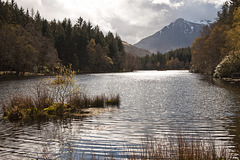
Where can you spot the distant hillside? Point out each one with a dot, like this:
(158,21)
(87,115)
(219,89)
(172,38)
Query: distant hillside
(135,50)
(178,34)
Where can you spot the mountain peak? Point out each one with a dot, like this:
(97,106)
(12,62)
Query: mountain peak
(179,20)
(180,33)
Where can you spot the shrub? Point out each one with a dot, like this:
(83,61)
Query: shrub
(14,114)
(45,102)
(42,96)
(64,85)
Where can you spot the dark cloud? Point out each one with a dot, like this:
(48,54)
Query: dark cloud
(196,11)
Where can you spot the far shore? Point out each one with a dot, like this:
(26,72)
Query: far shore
(11,75)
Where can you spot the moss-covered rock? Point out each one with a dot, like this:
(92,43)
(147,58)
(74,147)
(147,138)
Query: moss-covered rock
(51,110)
(229,65)
(58,109)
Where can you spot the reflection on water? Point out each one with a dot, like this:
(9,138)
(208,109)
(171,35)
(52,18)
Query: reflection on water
(154,104)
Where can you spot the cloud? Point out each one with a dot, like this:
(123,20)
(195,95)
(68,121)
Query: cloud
(169,3)
(217,3)
(131,19)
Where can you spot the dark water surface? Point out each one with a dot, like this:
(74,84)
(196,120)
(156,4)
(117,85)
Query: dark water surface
(153,104)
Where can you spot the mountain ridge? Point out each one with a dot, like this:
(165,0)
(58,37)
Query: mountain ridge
(180,33)
(135,50)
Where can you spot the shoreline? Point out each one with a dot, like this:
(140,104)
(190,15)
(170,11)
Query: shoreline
(232,80)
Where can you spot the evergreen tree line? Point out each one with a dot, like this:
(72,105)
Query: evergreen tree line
(217,50)
(175,59)
(23,48)
(30,43)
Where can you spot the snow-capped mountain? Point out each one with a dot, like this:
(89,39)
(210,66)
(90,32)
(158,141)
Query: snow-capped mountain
(180,33)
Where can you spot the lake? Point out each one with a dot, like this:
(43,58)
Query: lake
(155,104)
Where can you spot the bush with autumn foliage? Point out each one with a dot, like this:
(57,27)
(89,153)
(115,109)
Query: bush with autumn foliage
(216,51)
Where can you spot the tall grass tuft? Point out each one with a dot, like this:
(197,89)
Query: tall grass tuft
(81,101)
(183,149)
(18,107)
(114,100)
(98,101)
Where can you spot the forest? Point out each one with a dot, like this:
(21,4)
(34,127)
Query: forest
(172,60)
(217,50)
(30,43)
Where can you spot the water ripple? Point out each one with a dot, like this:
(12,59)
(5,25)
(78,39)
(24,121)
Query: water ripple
(153,104)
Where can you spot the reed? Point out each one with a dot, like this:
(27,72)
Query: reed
(80,101)
(183,149)
(114,100)
(98,101)
(152,149)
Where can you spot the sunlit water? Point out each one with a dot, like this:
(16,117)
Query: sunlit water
(159,104)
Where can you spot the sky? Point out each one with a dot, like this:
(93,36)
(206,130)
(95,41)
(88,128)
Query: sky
(132,20)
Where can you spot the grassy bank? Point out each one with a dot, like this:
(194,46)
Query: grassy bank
(58,97)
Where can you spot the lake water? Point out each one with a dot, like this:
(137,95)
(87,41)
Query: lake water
(155,104)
